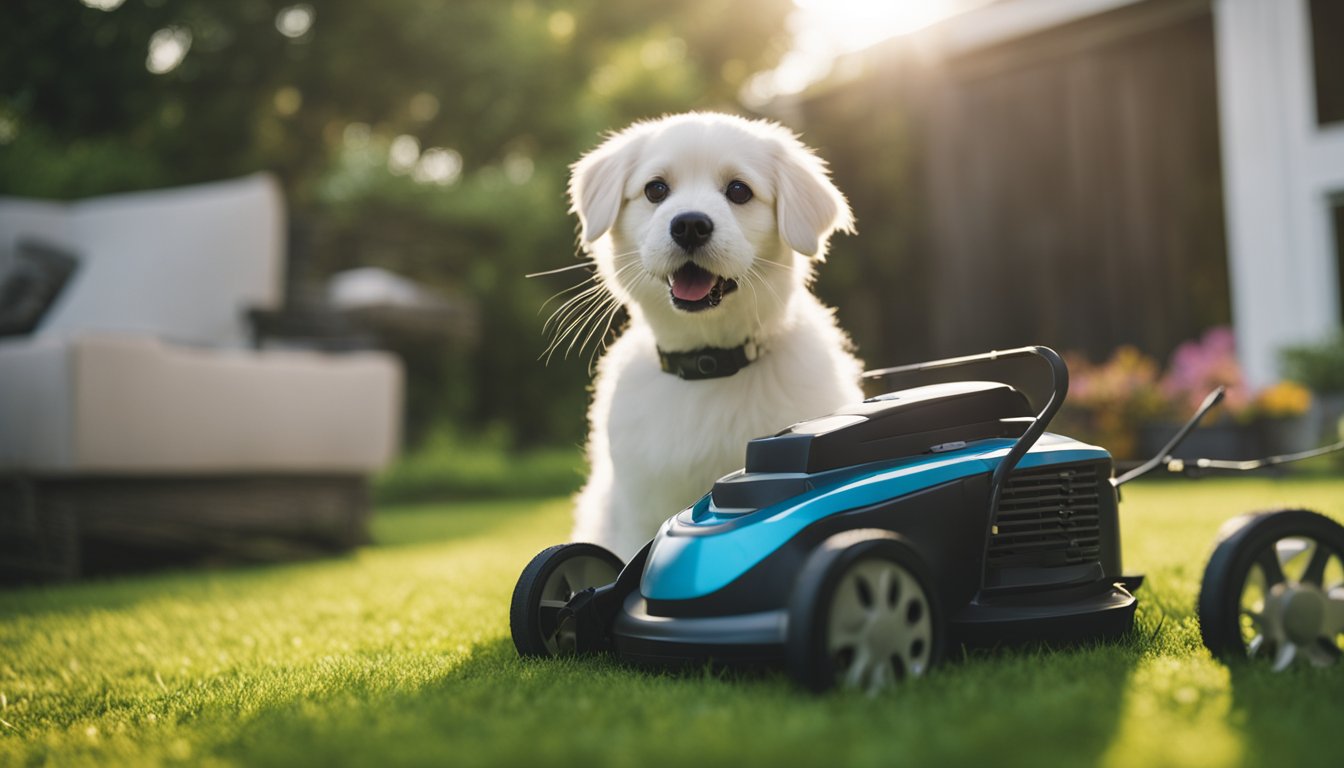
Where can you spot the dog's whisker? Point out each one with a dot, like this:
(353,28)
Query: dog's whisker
(584,310)
(581,265)
(564,309)
(558,294)
(628,265)
(621,269)
(622,272)
(626,259)
(601,343)
(771,262)
(594,278)
(586,321)
(595,286)
(609,310)
(770,288)
(755,299)
(639,276)
(574,325)
(602,338)
(566,326)
(571,325)
(562,324)
(760,279)
(576,320)
(551,348)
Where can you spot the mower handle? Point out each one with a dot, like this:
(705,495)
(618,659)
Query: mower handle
(1057,367)
(1173,464)
(1059,387)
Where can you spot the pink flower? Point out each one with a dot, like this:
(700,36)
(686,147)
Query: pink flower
(1198,367)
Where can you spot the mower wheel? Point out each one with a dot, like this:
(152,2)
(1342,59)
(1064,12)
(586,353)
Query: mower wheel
(1274,589)
(863,615)
(546,586)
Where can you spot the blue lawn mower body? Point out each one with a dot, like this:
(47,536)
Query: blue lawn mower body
(854,548)
(717,580)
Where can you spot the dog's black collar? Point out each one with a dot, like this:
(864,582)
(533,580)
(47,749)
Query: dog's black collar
(708,362)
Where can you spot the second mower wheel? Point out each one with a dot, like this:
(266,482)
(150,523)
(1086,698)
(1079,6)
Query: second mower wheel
(1274,589)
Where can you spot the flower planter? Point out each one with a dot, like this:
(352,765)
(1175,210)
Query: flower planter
(1236,442)
(1233,441)
(1330,408)
(1288,435)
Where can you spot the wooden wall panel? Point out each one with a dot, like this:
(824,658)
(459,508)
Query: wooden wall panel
(1063,188)
(1076,195)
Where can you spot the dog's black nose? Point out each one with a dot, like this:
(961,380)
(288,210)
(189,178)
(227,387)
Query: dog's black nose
(691,230)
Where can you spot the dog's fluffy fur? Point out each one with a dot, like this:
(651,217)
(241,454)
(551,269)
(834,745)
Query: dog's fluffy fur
(657,442)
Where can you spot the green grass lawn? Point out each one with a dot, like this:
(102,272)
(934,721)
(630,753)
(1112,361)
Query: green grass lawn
(399,654)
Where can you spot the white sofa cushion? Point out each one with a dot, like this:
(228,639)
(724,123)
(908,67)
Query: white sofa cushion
(180,264)
(135,405)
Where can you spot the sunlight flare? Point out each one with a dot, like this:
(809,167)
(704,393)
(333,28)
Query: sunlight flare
(824,30)
(854,24)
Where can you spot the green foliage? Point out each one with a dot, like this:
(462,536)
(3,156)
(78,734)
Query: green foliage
(1318,366)
(510,92)
(400,655)
(37,165)
(451,466)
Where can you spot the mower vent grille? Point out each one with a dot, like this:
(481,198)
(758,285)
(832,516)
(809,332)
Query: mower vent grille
(1047,517)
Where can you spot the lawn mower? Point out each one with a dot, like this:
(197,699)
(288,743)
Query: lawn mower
(854,549)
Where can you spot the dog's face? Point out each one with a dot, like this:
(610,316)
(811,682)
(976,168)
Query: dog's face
(706,222)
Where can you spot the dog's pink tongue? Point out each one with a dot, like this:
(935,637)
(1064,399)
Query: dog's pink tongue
(690,283)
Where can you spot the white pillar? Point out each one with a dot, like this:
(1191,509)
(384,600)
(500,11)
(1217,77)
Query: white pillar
(1278,172)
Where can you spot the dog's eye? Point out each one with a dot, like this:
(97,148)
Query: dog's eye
(656,191)
(738,192)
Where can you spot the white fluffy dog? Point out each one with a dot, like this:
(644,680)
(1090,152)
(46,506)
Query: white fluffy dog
(706,228)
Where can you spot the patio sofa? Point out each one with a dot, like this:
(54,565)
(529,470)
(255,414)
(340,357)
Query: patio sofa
(137,418)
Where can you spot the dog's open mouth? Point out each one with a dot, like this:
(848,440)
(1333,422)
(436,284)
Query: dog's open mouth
(694,288)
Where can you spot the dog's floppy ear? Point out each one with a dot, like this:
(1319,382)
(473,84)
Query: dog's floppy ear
(807,205)
(597,184)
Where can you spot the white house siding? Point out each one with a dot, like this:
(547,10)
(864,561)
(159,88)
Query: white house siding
(1279,171)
